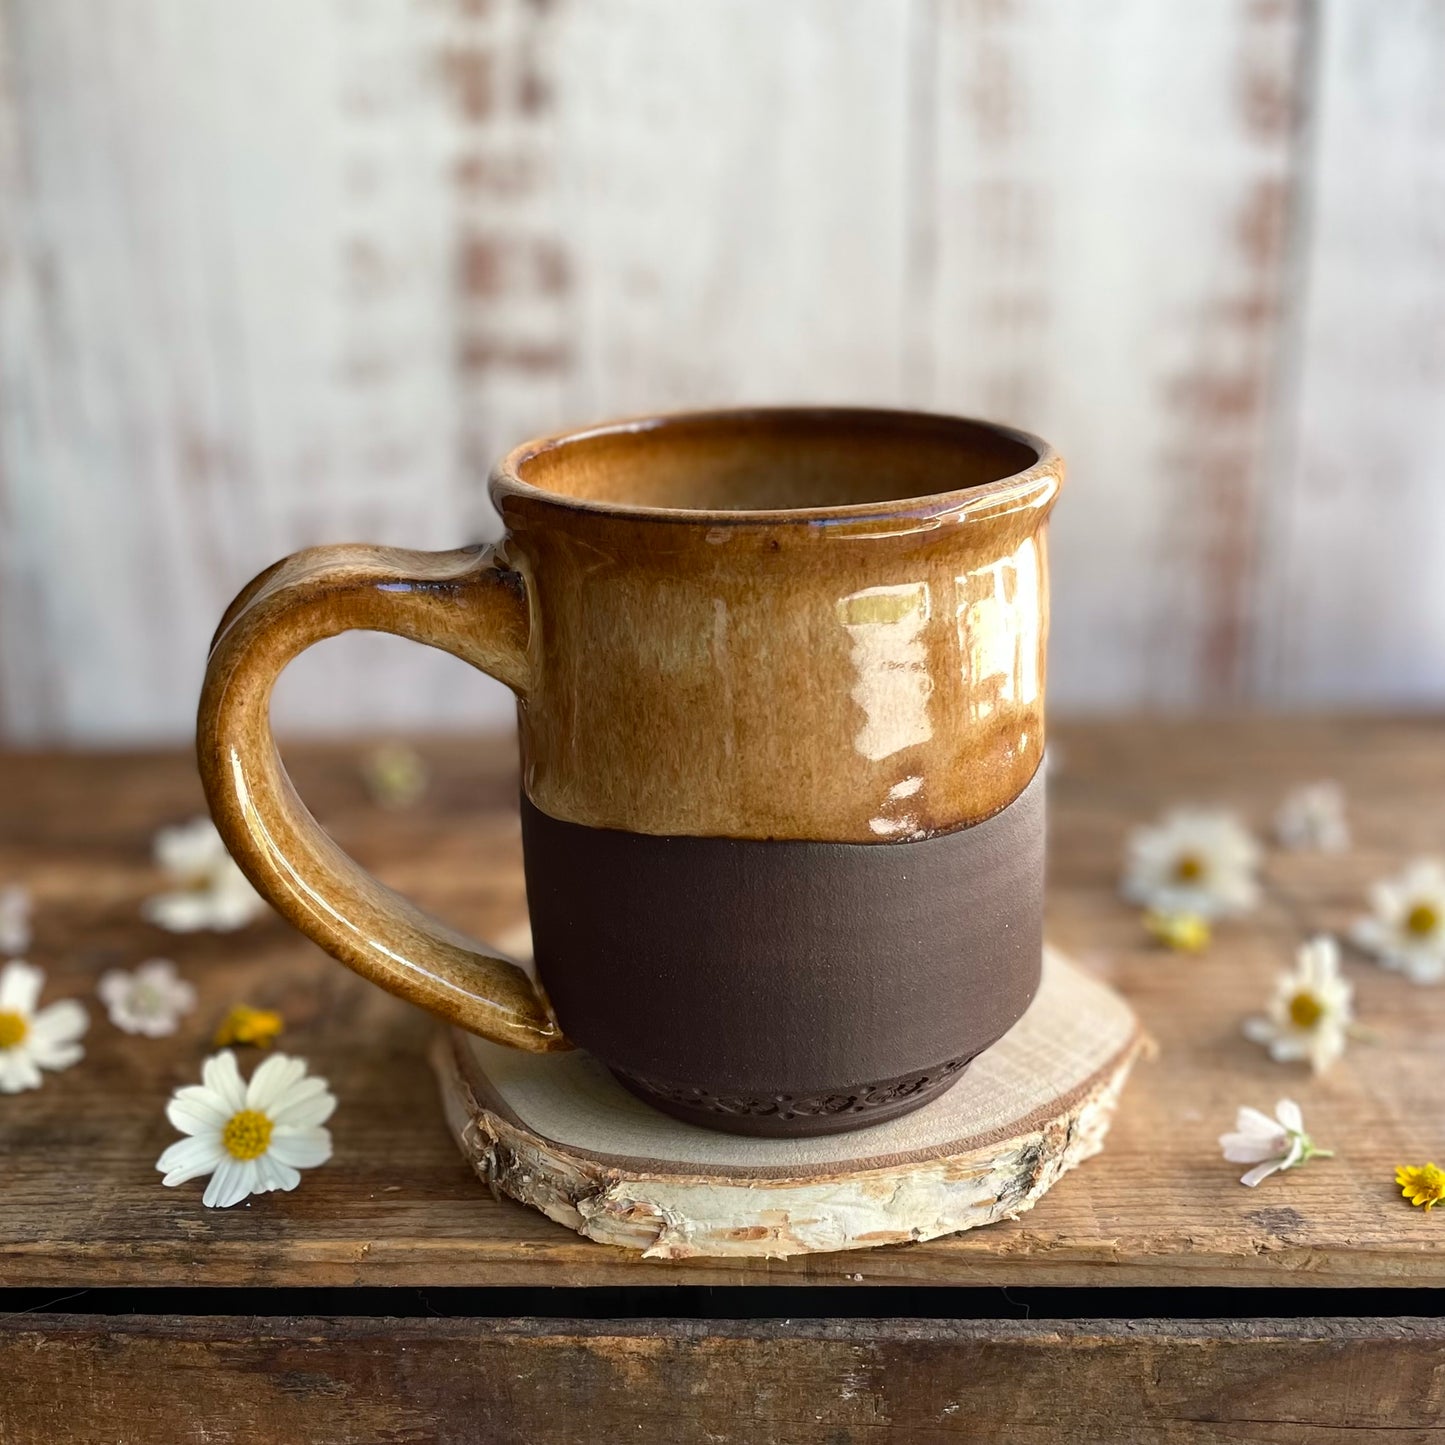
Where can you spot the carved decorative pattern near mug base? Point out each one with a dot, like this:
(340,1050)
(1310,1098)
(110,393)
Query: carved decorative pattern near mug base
(797,1114)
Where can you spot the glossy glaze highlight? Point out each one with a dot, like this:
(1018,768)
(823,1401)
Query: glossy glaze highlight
(871,671)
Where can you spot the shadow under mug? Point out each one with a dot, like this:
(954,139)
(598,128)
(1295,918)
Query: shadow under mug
(780,690)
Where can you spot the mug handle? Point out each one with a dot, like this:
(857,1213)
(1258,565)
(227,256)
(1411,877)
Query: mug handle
(466,602)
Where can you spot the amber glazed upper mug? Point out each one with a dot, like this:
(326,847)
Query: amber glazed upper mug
(780,682)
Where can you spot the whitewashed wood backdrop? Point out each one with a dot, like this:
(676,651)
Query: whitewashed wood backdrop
(293,271)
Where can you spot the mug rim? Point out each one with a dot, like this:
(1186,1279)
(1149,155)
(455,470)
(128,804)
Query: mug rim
(1035,485)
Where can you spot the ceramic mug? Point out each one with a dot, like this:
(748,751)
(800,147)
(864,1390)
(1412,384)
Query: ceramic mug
(780,688)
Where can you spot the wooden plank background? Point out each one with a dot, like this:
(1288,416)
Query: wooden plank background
(276,274)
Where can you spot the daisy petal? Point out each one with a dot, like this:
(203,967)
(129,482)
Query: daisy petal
(177,912)
(277,1175)
(1260,1172)
(233,1180)
(229,908)
(196,1109)
(157,973)
(189,850)
(223,1077)
(60,1023)
(113,990)
(1288,1114)
(1252,1121)
(272,1080)
(301,1148)
(1249,1148)
(17,1072)
(20,985)
(308,1104)
(56,1056)
(1425,970)
(188,1158)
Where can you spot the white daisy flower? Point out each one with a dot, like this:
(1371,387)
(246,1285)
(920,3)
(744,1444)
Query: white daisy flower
(31,1041)
(250,1138)
(211,890)
(1196,861)
(1310,1014)
(1270,1144)
(1312,819)
(14,918)
(1406,930)
(149,1001)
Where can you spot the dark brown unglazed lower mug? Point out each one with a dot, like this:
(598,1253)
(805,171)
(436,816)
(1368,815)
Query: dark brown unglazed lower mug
(780,681)
(779,986)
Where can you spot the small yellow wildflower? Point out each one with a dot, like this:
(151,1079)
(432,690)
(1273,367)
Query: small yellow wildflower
(1421,1185)
(1183,932)
(246,1025)
(395,775)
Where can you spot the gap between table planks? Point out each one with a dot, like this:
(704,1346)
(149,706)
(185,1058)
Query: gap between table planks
(83,1205)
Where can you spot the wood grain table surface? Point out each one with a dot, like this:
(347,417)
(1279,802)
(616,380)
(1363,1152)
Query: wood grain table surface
(168,1322)
(83,1205)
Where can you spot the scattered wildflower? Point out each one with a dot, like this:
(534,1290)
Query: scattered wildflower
(395,775)
(258,1027)
(1406,929)
(1183,932)
(31,1040)
(1310,1014)
(1195,861)
(1312,819)
(14,918)
(149,1001)
(1270,1144)
(211,891)
(1424,1184)
(250,1138)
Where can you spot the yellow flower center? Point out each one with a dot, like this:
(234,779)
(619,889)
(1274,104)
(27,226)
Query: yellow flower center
(247,1135)
(1188,868)
(1422,919)
(1305,1010)
(13,1028)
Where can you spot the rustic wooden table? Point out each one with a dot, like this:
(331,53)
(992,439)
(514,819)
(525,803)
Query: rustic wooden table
(135,1314)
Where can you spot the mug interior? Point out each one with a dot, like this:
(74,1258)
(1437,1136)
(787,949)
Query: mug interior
(770,460)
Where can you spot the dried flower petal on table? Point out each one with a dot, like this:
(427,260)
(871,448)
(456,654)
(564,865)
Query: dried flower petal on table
(1310,1014)
(149,1001)
(14,918)
(211,891)
(31,1039)
(395,775)
(1183,932)
(252,1137)
(1270,1144)
(1195,860)
(1406,929)
(258,1027)
(1312,819)
(1421,1184)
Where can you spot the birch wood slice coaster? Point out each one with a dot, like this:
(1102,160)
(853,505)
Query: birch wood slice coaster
(558,1133)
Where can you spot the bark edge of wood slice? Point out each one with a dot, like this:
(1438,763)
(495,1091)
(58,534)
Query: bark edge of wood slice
(558,1133)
